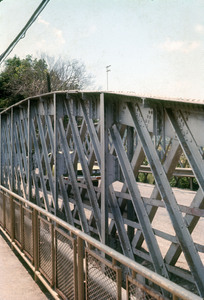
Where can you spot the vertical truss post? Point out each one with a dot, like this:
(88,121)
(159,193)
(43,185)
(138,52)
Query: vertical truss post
(12,222)
(29,183)
(12,151)
(130,209)
(55,152)
(107,165)
(166,192)
(0,151)
(104,142)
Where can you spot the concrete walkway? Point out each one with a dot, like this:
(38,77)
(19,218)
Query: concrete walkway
(15,281)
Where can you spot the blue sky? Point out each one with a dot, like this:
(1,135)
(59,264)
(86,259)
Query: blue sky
(154,47)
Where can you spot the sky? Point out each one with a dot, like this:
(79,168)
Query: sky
(154,47)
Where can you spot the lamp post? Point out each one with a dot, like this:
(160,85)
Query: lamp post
(107,70)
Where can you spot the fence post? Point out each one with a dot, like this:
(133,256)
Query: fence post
(21,226)
(53,256)
(35,241)
(12,218)
(80,269)
(4,211)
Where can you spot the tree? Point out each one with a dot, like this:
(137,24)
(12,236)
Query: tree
(22,78)
(67,74)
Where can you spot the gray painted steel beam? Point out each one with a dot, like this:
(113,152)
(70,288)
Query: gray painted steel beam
(138,204)
(72,176)
(12,150)
(104,179)
(92,133)
(45,155)
(188,144)
(169,167)
(175,250)
(38,161)
(55,153)
(122,233)
(166,192)
(85,170)
(1,152)
(19,159)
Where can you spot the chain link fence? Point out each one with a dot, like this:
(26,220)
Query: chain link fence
(7,213)
(45,249)
(101,277)
(65,265)
(28,232)
(17,217)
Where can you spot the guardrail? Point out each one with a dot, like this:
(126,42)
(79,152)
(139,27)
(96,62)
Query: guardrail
(179,172)
(73,265)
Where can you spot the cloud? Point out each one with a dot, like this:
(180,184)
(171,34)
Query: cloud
(42,21)
(179,46)
(52,30)
(59,35)
(199,28)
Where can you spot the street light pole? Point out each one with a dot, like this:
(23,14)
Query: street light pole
(107,70)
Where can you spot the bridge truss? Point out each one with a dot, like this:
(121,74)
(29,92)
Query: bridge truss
(79,155)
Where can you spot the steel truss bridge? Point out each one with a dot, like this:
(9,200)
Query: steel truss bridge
(81,156)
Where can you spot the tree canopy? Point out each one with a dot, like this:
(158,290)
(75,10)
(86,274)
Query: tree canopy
(30,76)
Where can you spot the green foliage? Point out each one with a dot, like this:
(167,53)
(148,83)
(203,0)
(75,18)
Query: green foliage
(179,182)
(22,78)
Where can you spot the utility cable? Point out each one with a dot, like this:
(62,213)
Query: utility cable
(22,34)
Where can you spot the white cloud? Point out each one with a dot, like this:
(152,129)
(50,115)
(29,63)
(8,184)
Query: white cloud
(59,35)
(42,21)
(179,46)
(199,28)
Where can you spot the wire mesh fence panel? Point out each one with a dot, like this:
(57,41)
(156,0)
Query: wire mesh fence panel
(101,278)
(17,216)
(28,231)
(45,249)
(140,291)
(65,265)
(7,214)
(1,209)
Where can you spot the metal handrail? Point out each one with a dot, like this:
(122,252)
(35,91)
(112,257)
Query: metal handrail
(176,290)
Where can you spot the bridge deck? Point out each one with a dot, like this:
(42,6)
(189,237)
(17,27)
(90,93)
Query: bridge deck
(15,281)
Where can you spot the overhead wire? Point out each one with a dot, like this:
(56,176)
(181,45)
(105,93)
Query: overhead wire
(22,33)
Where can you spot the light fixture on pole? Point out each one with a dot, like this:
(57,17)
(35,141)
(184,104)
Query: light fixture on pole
(107,70)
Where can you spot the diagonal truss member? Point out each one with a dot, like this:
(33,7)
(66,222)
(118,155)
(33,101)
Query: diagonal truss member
(166,192)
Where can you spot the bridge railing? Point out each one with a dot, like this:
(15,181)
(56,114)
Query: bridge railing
(73,265)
